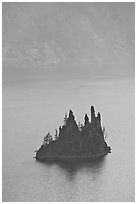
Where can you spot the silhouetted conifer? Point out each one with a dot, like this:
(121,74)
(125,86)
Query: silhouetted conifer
(86,119)
(48,138)
(56,134)
(71,116)
(99,118)
(92,113)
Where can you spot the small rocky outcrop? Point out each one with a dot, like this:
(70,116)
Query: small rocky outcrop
(75,142)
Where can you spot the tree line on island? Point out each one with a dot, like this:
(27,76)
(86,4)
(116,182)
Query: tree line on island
(48,137)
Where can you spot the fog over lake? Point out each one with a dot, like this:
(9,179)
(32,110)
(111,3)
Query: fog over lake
(67,56)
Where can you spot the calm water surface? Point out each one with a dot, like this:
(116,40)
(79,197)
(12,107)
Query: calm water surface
(31,109)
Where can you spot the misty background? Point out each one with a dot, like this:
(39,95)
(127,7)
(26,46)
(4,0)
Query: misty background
(68,41)
(61,56)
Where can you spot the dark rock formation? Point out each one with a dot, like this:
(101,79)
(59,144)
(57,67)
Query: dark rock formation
(74,143)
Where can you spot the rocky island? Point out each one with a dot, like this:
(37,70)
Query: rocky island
(75,142)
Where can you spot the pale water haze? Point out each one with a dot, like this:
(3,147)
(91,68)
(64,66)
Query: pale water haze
(61,56)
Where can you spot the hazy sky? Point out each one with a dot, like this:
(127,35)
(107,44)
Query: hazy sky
(68,40)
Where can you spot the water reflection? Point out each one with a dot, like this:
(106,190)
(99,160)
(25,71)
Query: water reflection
(70,169)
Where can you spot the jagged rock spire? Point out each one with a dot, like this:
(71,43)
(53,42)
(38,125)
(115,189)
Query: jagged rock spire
(92,113)
(86,118)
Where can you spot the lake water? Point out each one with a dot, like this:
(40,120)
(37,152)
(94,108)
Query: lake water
(32,108)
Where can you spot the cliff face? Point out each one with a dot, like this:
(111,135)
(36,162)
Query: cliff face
(76,142)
